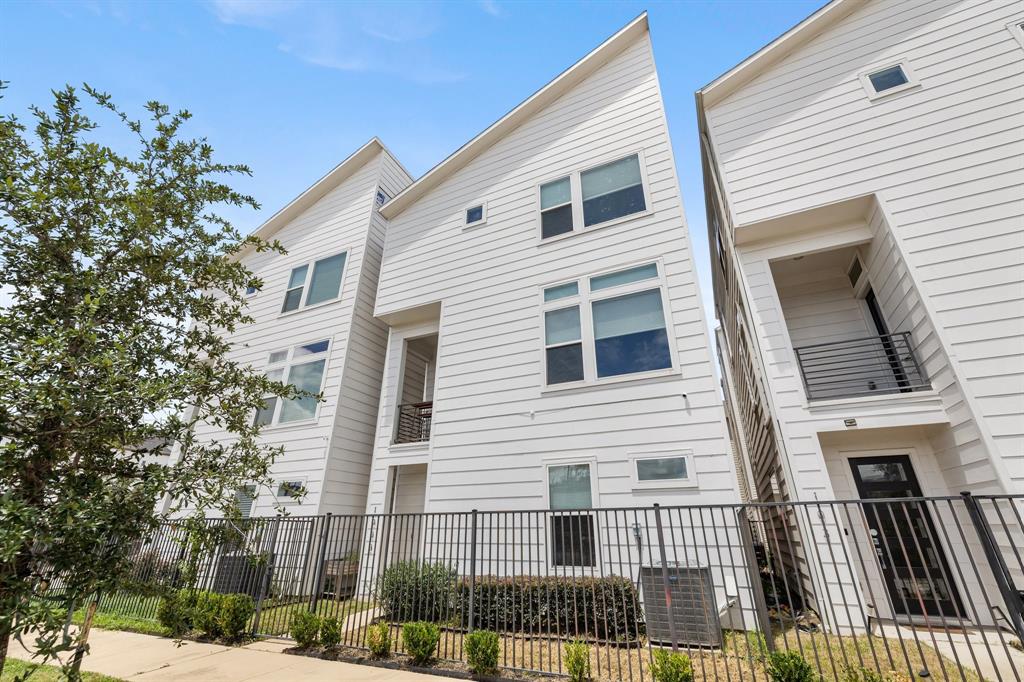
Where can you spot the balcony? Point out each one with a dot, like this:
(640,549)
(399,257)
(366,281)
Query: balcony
(414,422)
(873,365)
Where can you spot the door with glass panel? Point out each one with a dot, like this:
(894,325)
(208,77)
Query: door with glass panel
(903,537)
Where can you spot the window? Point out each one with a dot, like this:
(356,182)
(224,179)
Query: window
(476,215)
(614,326)
(855,271)
(594,196)
(667,470)
(888,80)
(244,498)
(556,208)
(291,490)
(1016,27)
(572,535)
(250,291)
(303,367)
(381,198)
(323,285)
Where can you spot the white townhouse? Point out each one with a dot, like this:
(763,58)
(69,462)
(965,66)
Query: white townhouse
(864,182)
(314,327)
(548,349)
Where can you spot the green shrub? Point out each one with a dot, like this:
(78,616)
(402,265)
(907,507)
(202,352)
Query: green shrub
(206,615)
(421,641)
(482,651)
(235,612)
(175,612)
(577,661)
(409,591)
(330,631)
(789,666)
(671,667)
(603,608)
(378,640)
(304,629)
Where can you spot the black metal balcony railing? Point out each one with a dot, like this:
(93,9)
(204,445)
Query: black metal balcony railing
(874,365)
(414,422)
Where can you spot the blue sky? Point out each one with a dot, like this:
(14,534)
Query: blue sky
(291,88)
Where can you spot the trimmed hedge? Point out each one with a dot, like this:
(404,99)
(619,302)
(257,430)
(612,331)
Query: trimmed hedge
(212,614)
(602,608)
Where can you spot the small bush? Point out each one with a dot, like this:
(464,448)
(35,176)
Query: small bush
(175,612)
(235,612)
(304,629)
(410,591)
(482,651)
(330,631)
(577,661)
(789,666)
(671,667)
(421,641)
(378,640)
(206,616)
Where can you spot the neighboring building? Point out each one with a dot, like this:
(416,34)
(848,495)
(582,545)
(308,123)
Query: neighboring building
(865,200)
(314,327)
(548,348)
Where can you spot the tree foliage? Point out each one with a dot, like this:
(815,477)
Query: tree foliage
(121,277)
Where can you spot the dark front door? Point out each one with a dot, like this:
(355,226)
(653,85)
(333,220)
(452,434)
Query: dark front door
(906,545)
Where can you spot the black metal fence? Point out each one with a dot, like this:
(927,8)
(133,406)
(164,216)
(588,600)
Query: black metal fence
(874,365)
(905,587)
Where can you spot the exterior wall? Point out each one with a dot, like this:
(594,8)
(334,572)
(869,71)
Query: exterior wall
(943,160)
(495,424)
(333,453)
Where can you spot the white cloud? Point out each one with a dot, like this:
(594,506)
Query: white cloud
(386,38)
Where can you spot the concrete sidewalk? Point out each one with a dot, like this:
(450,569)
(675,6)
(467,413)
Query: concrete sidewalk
(132,656)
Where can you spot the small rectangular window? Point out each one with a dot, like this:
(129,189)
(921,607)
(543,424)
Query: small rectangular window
(563,345)
(630,335)
(291,489)
(614,279)
(474,214)
(249,291)
(561,291)
(889,78)
(556,208)
(244,498)
(662,469)
(612,191)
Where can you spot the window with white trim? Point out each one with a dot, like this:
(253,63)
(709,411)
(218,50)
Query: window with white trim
(291,490)
(888,80)
(323,285)
(573,538)
(593,196)
(606,325)
(1016,27)
(476,215)
(303,367)
(662,470)
(244,498)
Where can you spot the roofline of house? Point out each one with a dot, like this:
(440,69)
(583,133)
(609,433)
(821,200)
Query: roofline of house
(318,189)
(775,51)
(510,121)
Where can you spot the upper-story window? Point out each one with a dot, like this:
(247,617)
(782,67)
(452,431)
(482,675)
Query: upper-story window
(593,196)
(476,215)
(888,80)
(604,326)
(323,285)
(1016,27)
(303,367)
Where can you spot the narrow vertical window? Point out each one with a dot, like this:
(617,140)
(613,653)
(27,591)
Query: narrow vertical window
(563,345)
(556,208)
(296,283)
(572,535)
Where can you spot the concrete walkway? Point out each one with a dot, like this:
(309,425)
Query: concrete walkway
(131,656)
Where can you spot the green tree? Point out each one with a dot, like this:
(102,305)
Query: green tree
(121,277)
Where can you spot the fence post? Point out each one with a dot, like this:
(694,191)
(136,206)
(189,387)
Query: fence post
(321,556)
(1011,597)
(664,578)
(472,569)
(754,575)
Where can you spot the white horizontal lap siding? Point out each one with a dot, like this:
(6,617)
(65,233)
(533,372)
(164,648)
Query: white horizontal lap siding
(337,222)
(945,157)
(486,450)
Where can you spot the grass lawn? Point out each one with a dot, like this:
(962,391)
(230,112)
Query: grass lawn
(46,673)
(276,619)
(119,621)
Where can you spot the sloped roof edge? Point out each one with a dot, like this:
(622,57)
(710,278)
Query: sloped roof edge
(773,52)
(318,189)
(510,121)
